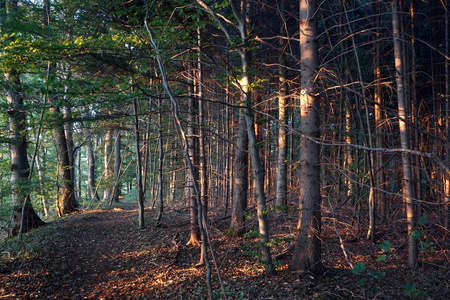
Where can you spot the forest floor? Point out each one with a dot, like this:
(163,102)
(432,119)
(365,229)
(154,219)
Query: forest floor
(100,254)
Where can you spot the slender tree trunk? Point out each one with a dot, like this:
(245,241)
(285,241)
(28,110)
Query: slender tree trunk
(45,206)
(192,143)
(117,166)
(90,157)
(281,193)
(257,167)
(447,124)
(203,174)
(108,166)
(140,187)
(182,135)
(379,175)
(160,171)
(307,251)
(408,192)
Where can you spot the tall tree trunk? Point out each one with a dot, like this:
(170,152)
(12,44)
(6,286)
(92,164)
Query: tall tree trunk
(192,143)
(25,217)
(307,251)
(203,174)
(240,12)
(447,123)
(160,170)
(140,186)
(408,193)
(379,175)
(281,193)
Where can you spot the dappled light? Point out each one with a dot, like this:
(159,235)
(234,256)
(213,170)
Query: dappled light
(224,149)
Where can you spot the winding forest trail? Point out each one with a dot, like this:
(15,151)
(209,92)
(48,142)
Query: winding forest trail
(100,254)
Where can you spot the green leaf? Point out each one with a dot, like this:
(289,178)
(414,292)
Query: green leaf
(416,234)
(358,268)
(386,246)
(410,289)
(422,220)
(381,258)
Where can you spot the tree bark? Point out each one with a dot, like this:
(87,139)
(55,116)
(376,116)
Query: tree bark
(140,187)
(281,193)
(25,217)
(240,179)
(117,167)
(108,166)
(160,170)
(90,156)
(408,193)
(192,144)
(307,251)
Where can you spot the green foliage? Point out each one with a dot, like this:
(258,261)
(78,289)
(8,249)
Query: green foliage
(386,246)
(422,221)
(411,290)
(252,233)
(358,268)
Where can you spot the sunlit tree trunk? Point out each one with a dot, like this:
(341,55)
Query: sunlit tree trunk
(192,143)
(108,166)
(65,202)
(408,192)
(203,174)
(378,163)
(240,11)
(281,193)
(307,251)
(66,184)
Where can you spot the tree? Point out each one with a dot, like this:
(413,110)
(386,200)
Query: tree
(281,197)
(240,9)
(117,166)
(307,252)
(408,192)
(25,217)
(192,144)
(90,155)
(66,184)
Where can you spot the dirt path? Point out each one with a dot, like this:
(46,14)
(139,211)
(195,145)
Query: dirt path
(98,254)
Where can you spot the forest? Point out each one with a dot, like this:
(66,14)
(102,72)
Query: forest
(224,149)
